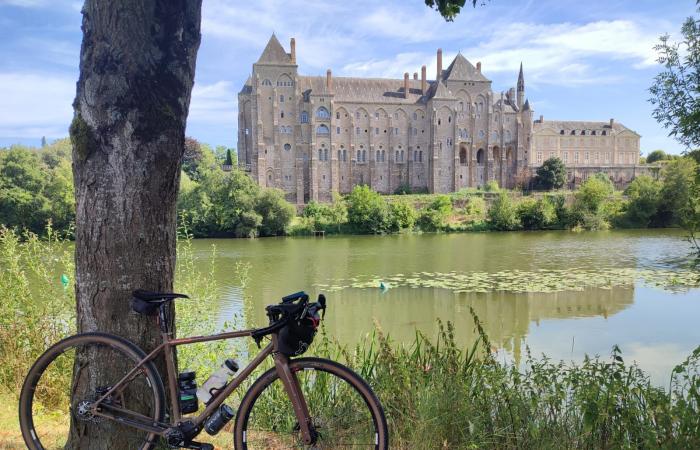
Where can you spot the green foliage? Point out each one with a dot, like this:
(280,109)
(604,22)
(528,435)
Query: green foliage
(449,8)
(229,159)
(402,216)
(644,195)
(231,204)
(656,155)
(491,186)
(434,217)
(537,214)
(368,213)
(588,210)
(551,174)
(36,186)
(403,189)
(502,214)
(674,93)
(677,192)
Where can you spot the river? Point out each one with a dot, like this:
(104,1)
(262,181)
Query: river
(562,294)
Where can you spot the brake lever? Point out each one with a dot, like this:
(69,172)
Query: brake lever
(322,302)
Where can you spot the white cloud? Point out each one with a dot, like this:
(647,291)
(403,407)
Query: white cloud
(35,105)
(212,104)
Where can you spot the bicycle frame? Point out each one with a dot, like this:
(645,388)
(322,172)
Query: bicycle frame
(167,347)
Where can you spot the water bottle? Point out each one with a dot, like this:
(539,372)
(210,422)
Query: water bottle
(221,417)
(217,381)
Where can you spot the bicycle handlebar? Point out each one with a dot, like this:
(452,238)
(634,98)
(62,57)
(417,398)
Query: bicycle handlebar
(281,313)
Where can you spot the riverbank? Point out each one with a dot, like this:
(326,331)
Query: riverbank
(459,394)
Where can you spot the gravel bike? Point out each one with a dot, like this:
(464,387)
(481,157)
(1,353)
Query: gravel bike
(301,402)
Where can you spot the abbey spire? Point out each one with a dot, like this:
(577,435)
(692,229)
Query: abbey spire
(521,87)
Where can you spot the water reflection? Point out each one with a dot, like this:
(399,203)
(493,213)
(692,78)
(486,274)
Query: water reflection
(564,324)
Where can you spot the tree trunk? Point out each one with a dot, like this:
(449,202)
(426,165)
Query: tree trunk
(137,65)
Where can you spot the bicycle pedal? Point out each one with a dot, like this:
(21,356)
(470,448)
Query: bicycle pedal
(199,445)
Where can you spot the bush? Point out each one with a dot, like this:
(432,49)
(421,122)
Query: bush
(656,155)
(368,213)
(403,189)
(677,191)
(403,216)
(502,214)
(476,206)
(434,216)
(551,174)
(491,186)
(537,214)
(644,194)
(588,209)
(275,211)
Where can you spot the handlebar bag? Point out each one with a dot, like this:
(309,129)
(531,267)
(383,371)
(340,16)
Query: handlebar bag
(296,337)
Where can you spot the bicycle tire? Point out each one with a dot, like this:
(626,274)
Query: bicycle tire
(121,346)
(303,365)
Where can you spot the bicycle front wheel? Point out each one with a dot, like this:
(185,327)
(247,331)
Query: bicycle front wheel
(54,407)
(344,411)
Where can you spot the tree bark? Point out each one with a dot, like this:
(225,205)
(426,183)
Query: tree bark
(137,65)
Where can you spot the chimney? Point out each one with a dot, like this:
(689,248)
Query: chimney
(293,49)
(478,67)
(405,85)
(423,82)
(439,64)
(612,121)
(415,75)
(329,80)
(541,118)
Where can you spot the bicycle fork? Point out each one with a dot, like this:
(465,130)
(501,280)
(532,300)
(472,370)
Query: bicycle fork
(291,386)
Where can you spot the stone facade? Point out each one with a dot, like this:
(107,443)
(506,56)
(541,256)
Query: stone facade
(311,136)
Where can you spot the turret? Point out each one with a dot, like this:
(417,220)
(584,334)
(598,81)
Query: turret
(521,88)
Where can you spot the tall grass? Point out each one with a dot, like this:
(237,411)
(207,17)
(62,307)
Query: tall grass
(436,394)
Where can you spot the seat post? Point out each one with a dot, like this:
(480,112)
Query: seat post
(163,319)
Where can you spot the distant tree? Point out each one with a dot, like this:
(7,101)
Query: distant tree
(656,155)
(43,142)
(502,215)
(643,194)
(276,213)
(674,93)
(403,216)
(368,213)
(449,9)
(678,192)
(229,160)
(551,174)
(537,214)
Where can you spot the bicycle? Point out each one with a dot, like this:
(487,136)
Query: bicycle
(307,402)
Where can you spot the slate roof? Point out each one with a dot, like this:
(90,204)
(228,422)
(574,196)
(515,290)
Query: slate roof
(461,69)
(364,90)
(568,125)
(274,53)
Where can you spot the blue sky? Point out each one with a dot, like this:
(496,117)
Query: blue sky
(588,60)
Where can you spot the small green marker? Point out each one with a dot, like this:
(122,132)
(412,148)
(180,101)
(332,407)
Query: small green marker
(65,280)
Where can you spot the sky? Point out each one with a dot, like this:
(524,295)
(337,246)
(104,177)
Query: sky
(591,60)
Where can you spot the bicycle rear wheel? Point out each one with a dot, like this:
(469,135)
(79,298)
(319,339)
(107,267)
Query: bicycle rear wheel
(56,394)
(344,411)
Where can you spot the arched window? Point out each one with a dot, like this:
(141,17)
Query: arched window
(357,114)
(304,117)
(604,133)
(340,154)
(481,134)
(480,156)
(383,155)
(359,156)
(401,155)
(364,155)
(415,155)
(462,156)
(337,115)
(396,158)
(439,121)
(267,82)
(377,157)
(325,155)
(345,155)
(357,130)
(320,154)
(583,132)
(420,156)
(322,129)
(415,116)
(322,113)
(561,131)
(449,119)
(287,147)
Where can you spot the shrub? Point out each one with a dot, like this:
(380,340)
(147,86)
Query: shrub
(644,194)
(491,186)
(551,174)
(587,211)
(656,155)
(476,206)
(403,189)
(435,215)
(537,214)
(368,213)
(403,216)
(275,211)
(502,214)
(677,191)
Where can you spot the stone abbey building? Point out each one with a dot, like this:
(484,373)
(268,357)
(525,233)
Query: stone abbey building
(312,135)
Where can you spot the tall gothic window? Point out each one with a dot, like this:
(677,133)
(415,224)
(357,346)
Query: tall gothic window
(322,113)
(304,117)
